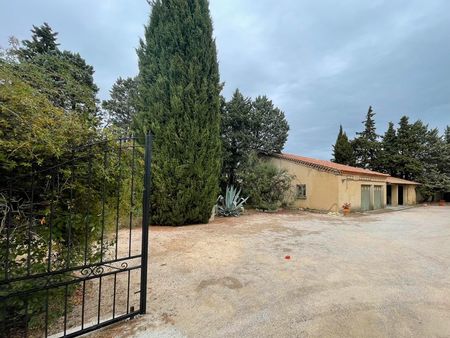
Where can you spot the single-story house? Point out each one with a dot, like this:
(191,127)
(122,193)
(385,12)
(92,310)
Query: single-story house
(325,185)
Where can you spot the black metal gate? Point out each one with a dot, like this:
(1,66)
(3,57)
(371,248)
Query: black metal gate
(74,241)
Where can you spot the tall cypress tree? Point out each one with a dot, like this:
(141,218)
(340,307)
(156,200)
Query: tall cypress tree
(366,145)
(179,103)
(389,153)
(342,150)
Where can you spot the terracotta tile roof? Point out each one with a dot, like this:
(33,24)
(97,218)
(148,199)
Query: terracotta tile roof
(329,166)
(395,180)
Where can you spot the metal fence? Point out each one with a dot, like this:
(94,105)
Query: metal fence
(74,241)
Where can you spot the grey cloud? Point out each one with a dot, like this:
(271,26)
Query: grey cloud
(322,62)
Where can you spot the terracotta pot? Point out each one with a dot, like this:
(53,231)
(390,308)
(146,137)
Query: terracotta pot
(442,203)
(346,211)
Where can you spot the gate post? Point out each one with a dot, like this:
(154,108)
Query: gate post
(145,222)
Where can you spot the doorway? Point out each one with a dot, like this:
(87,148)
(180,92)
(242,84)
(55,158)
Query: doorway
(389,194)
(400,195)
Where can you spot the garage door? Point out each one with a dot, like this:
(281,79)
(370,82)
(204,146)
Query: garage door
(365,197)
(378,197)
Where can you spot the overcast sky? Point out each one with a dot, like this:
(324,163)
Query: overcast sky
(322,62)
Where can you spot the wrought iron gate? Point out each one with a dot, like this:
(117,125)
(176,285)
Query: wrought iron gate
(74,241)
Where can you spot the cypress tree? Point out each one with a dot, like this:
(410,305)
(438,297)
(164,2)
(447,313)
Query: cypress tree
(179,102)
(389,154)
(342,150)
(366,145)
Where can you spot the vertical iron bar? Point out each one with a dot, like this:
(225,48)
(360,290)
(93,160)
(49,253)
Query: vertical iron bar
(99,299)
(52,187)
(118,195)
(46,313)
(8,226)
(114,296)
(128,292)
(82,304)
(145,223)
(132,194)
(26,318)
(30,223)
(86,229)
(65,308)
(70,207)
(105,163)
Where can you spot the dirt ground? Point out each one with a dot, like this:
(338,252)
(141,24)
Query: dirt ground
(382,275)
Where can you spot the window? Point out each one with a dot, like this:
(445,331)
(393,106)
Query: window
(301,191)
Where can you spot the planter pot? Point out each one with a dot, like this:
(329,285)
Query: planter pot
(346,212)
(442,203)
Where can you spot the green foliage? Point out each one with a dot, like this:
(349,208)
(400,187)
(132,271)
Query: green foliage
(47,115)
(232,204)
(43,41)
(236,137)
(266,185)
(342,150)
(32,129)
(389,153)
(249,126)
(62,76)
(121,108)
(269,128)
(179,89)
(366,145)
(413,151)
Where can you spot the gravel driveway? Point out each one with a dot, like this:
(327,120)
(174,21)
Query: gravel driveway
(382,275)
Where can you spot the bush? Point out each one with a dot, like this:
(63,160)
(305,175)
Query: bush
(266,185)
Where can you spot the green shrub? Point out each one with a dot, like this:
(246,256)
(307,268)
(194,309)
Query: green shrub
(266,185)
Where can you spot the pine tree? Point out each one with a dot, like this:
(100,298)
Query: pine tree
(410,142)
(71,79)
(447,135)
(250,127)
(236,137)
(121,107)
(389,153)
(179,101)
(269,127)
(43,41)
(366,145)
(342,150)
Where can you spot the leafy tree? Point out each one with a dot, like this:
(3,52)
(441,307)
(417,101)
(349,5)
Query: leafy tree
(43,41)
(342,150)
(236,137)
(410,142)
(366,145)
(435,164)
(63,76)
(389,153)
(269,128)
(179,102)
(250,126)
(121,107)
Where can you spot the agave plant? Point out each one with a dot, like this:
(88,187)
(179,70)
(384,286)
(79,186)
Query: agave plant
(232,204)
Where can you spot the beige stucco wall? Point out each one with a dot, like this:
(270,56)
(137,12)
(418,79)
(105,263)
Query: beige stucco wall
(322,192)
(350,190)
(327,191)
(411,196)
